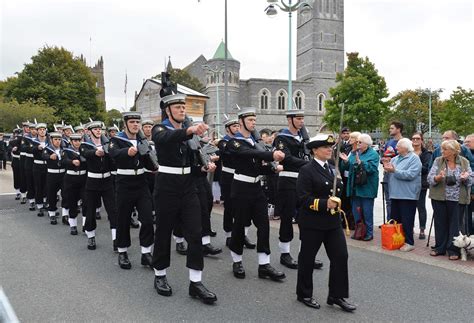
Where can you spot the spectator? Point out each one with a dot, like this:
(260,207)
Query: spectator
(425,157)
(3,153)
(450,179)
(362,195)
(404,181)
(469,143)
(388,152)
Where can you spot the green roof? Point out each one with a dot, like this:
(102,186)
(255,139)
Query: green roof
(220,52)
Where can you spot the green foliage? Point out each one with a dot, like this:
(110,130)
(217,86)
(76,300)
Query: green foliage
(13,113)
(363,93)
(411,107)
(112,116)
(458,113)
(183,78)
(63,82)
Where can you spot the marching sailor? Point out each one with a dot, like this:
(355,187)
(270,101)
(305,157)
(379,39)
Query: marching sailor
(15,151)
(30,184)
(175,197)
(248,199)
(99,182)
(74,180)
(40,169)
(132,190)
(290,141)
(54,179)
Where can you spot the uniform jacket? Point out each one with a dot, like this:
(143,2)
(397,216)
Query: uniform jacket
(96,164)
(172,151)
(313,188)
(248,161)
(295,158)
(69,155)
(53,164)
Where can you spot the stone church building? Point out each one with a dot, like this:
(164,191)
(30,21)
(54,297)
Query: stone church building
(320,55)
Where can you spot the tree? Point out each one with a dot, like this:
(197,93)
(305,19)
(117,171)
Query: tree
(112,116)
(13,113)
(63,82)
(458,113)
(183,78)
(411,107)
(363,93)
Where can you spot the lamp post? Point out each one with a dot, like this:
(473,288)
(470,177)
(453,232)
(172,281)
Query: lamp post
(430,92)
(289,6)
(216,70)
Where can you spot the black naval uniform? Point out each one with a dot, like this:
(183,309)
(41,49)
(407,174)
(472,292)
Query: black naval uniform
(40,171)
(132,191)
(227,175)
(23,182)
(176,197)
(30,184)
(54,179)
(98,185)
(74,184)
(248,199)
(15,150)
(318,226)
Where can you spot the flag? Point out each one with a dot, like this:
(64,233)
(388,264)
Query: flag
(125,89)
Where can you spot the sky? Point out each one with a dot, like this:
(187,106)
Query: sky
(413,43)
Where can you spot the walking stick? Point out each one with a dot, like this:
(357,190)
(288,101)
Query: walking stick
(429,232)
(383,200)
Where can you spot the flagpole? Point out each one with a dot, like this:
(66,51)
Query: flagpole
(125,91)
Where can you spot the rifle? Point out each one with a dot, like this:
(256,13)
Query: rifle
(262,147)
(195,145)
(144,149)
(105,144)
(305,136)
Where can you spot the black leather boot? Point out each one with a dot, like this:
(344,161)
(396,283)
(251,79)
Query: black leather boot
(123,260)
(342,303)
(287,261)
(267,271)
(91,243)
(209,249)
(162,287)
(181,248)
(52,220)
(147,260)
(198,290)
(238,270)
(74,231)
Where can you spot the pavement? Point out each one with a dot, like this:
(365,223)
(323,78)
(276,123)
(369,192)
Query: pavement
(50,276)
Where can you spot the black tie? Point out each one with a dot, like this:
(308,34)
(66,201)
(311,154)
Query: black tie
(326,166)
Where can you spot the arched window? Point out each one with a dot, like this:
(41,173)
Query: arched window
(321,66)
(230,79)
(282,97)
(321,98)
(264,99)
(327,7)
(334,9)
(320,6)
(299,100)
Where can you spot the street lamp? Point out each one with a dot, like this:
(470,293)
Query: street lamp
(216,70)
(289,6)
(430,92)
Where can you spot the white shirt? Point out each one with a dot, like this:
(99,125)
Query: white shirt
(134,142)
(320,162)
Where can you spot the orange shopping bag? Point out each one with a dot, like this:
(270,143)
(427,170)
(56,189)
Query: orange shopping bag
(393,236)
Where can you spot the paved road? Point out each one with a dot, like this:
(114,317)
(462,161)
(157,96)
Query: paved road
(50,276)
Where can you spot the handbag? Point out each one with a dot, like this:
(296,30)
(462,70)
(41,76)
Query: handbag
(393,236)
(360,175)
(360,229)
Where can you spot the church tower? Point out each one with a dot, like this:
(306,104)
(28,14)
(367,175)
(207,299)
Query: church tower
(320,45)
(98,71)
(215,87)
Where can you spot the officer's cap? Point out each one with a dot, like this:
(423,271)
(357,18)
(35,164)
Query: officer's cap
(247,112)
(94,124)
(78,128)
(148,122)
(295,113)
(321,140)
(231,122)
(75,136)
(41,125)
(129,115)
(173,99)
(55,135)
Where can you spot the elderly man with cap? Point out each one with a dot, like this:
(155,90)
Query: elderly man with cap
(248,198)
(290,141)
(74,180)
(320,223)
(40,169)
(99,182)
(14,143)
(228,169)
(176,197)
(132,190)
(54,179)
